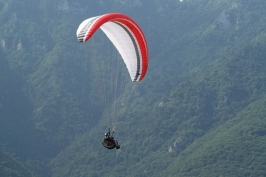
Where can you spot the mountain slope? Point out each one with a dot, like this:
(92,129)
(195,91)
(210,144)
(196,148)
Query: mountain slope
(207,63)
(221,73)
(236,148)
(11,167)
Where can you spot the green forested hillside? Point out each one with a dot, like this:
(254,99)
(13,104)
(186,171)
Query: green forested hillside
(196,113)
(236,148)
(9,167)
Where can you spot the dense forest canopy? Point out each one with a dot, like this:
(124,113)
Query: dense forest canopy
(199,111)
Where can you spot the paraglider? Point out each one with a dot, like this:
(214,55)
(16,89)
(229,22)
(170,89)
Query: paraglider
(129,40)
(109,142)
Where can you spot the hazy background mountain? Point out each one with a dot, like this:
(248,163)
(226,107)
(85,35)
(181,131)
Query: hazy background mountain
(200,111)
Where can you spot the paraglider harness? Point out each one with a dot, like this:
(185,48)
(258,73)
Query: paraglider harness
(108,141)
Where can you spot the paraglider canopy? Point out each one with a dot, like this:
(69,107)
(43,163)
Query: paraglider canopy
(126,36)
